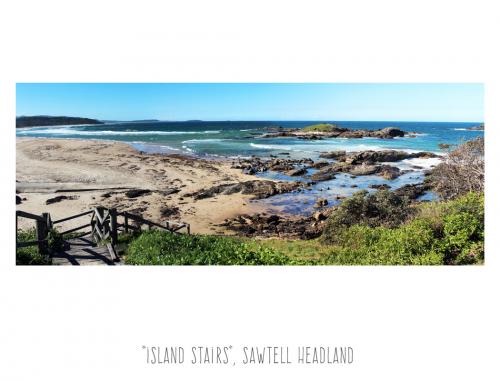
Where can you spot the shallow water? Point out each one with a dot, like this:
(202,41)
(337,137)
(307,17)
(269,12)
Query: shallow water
(241,139)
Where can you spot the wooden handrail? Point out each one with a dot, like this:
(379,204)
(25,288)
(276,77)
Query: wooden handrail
(178,225)
(75,229)
(72,217)
(20,213)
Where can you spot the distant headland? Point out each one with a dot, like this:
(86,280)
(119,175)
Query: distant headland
(44,120)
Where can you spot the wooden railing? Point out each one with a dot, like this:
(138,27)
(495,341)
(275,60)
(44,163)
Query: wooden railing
(43,224)
(103,225)
(171,226)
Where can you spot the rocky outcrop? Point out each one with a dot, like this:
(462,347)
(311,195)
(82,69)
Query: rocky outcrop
(258,188)
(265,225)
(287,166)
(413,191)
(328,173)
(255,165)
(336,132)
(371,157)
(297,172)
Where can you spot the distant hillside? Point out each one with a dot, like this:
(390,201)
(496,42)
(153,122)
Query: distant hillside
(42,120)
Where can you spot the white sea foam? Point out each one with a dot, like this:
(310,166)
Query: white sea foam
(272,146)
(70,131)
(461,129)
(202,140)
(419,162)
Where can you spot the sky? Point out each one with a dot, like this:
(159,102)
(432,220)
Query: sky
(446,102)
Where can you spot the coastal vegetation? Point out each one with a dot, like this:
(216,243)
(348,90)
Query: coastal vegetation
(321,127)
(435,233)
(43,120)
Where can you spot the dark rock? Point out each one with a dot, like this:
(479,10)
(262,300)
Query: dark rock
(169,191)
(133,193)
(59,199)
(320,203)
(310,137)
(258,188)
(329,172)
(333,155)
(372,157)
(169,211)
(319,164)
(324,174)
(18,200)
(413,191)
(379,186)
(261,225)
(297,172)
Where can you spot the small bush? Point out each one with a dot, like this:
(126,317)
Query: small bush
(461,172)
(382,208)
(164,248)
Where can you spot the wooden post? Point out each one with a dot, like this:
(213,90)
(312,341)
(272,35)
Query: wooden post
(189,229)
(48,221)
(125,215)
(113,227)
(41,236)
(97,228)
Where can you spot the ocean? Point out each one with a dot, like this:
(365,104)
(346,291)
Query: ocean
(241,139)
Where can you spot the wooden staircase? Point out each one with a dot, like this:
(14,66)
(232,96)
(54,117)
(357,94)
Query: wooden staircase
(81,245)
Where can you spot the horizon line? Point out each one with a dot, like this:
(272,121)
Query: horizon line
(252,120)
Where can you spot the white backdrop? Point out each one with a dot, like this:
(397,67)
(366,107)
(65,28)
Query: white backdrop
(405,323)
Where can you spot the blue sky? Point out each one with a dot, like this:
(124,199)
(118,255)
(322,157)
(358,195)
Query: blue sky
(254,101)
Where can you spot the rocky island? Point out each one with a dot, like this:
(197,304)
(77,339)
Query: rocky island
(327,130)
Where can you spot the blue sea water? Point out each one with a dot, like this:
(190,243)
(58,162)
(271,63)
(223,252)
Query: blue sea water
(241,139)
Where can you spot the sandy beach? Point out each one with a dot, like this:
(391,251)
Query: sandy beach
(92,173)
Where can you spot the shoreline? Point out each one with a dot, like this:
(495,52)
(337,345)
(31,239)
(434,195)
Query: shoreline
(51,167)
(83,173)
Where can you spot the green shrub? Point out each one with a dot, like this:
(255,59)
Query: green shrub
(382,208)
(29,255)
(164,248)
(450,232)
